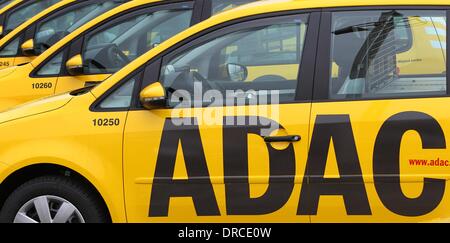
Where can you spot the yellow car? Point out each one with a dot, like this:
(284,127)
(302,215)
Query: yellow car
(36,35)
(18,11)
(102,46)
(182,134)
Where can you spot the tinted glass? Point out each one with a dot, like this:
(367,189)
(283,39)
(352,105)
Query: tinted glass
(388,54)
(60,25)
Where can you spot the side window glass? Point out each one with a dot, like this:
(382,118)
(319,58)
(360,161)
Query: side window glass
(121,98)
(11,49)
(241,67)
(391,54)
(222,5)
(54,29)
(23,14)
(114,47)
(53,66)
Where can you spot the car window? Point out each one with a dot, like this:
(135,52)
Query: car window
(389,53)
(55,28)
(22,14)
(121,98)
(246,64)
(53,66)
(12,48)
(222,5)
(4,3)
(112,48)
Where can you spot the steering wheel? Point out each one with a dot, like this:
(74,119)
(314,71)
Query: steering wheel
(116,56)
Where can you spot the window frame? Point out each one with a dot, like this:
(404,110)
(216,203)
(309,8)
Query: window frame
(151,69)
(30,31)
(16,8)
(166,6)
(75,46)
(323,67)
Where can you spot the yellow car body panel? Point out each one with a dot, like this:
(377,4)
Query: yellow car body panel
(9,6)
(15,93)
(62,130)
(107,175)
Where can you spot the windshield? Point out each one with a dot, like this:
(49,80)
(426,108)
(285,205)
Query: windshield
(60,25)
(21,14)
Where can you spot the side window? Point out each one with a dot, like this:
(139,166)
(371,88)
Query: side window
(392,53)
(222,5)
(22,14)
(53,66)
(121,97)
(52,30)
(241,66)
(12,48)
(112,48)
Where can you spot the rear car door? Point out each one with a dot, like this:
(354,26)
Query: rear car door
(379,128)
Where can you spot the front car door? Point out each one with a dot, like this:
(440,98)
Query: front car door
(231,144)
(379,128)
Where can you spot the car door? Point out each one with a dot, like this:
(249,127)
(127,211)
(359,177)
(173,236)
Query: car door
(230,145)
(379,129)
(111,46)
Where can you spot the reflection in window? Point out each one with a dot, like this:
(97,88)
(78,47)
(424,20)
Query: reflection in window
(4,3)
(11,49)
(52,67)
(222,5)
(257,60)
(388,53)
(114,47)
(22,14)
(121,98)
(55,28)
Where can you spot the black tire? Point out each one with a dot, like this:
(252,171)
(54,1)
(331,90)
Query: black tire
(77,194)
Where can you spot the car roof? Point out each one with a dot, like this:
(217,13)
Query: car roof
(35,18)
(254,8)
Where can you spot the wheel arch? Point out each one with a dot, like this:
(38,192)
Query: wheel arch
(29,172)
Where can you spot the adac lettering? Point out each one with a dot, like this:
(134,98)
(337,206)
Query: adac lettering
(350,185)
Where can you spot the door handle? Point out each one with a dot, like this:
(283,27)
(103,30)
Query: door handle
(290,139)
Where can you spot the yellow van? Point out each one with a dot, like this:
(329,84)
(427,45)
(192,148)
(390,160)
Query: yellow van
(182,134)
(36,35)
(93,52)
(14,13)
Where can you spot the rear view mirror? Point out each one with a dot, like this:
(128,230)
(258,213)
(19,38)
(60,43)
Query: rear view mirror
(237,72)
(75,65)
(28,48)
(153,96)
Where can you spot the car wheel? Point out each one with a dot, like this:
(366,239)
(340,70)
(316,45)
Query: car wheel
(52,199)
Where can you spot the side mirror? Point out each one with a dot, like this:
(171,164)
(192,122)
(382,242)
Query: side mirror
(153,96)
(236,72)
(28,48)
(75,65)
